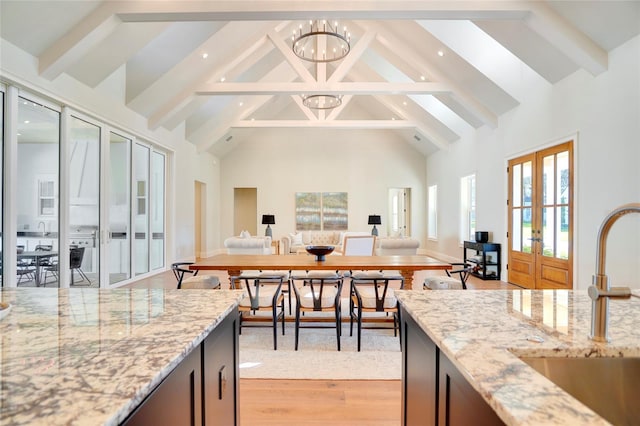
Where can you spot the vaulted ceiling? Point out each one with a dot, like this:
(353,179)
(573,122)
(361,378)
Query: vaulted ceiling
(222,70)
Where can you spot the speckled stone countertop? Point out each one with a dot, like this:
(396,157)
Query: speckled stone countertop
(483,332)
(89,356)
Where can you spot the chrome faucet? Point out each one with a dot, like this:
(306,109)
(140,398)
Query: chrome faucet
(44,228)
(600,290)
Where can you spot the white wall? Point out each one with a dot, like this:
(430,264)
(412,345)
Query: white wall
(604,113)
(365,164)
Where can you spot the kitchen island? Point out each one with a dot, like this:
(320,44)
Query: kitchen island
(91,357)
(462,354)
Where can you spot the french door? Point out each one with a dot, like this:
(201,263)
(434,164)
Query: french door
(540,236)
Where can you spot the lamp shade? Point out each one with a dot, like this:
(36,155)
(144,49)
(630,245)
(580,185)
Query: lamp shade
(375,220)
(268,219)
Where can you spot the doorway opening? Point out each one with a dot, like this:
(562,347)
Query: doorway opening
(399,223)
(245,210)
(200,223)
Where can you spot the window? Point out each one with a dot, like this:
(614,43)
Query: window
(46,196)
(432,220)
(467,208)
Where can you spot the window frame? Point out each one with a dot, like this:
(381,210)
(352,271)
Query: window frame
(468,208)
(432,212)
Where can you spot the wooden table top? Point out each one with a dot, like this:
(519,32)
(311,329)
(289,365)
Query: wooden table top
(308,262)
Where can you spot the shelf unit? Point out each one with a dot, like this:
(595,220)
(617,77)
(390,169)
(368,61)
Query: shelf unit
(487,269)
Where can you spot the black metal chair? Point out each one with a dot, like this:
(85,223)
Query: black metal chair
(450,282)
(320,292)
(371,292)
(76,255)
(194,281)
(264,293)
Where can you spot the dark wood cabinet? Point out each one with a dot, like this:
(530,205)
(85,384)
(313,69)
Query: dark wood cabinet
(458,402)
(220,381)
(177,400)
(203,389)
(419,374)
(434,392)
(487,258)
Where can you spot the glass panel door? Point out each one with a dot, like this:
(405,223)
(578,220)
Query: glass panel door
(1,174)
(119,208)
(141,213)
(38,165)
(540,212)
(84,207)
(157,210)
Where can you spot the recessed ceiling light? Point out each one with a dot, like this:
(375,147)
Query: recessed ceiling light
(440,53)
(423,78)
(222,79)
(241,103)
(393,119)
(205,55)
(26,121)
(404,103)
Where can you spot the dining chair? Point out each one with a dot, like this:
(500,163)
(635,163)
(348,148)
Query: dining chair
(319,291)
(359,245)
(76,256)
(373,292)
(194,281)
(262,293)
(450,282)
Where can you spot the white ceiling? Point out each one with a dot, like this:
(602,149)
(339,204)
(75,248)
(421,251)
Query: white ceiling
(393,78)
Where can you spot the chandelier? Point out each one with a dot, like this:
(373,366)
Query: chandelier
(322,101)
(321,43)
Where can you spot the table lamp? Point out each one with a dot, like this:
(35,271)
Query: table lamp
(268,219)
(374,220)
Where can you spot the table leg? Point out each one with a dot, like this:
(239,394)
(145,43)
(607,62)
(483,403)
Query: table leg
(408,278)
(232,273)
(36,274)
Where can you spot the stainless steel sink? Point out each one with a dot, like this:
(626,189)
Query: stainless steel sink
(609,386)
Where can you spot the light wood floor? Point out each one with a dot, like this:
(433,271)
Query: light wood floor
(319,402)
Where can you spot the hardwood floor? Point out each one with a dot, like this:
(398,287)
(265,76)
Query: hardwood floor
(319,402)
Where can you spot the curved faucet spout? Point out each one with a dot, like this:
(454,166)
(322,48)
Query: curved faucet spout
(44,228)
(600,290)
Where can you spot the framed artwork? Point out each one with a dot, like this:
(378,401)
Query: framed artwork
(317,211)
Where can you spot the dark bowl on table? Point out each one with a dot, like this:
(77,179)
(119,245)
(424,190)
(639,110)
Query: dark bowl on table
(319,251)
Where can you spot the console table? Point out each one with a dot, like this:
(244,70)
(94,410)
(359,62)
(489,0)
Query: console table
(489,265)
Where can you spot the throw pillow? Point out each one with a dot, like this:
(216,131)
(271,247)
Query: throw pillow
(296,239)
(245,234)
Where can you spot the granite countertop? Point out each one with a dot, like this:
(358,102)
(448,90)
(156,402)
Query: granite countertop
(89,356)
(483,332)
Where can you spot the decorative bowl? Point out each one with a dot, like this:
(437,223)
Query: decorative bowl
(5,308)
(319,251)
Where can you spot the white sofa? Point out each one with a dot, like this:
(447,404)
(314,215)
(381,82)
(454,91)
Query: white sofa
(248,245)
(396,246)
(385,246)
(317,238)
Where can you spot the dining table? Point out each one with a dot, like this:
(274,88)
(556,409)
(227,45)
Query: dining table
(39,256)
(235,263)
